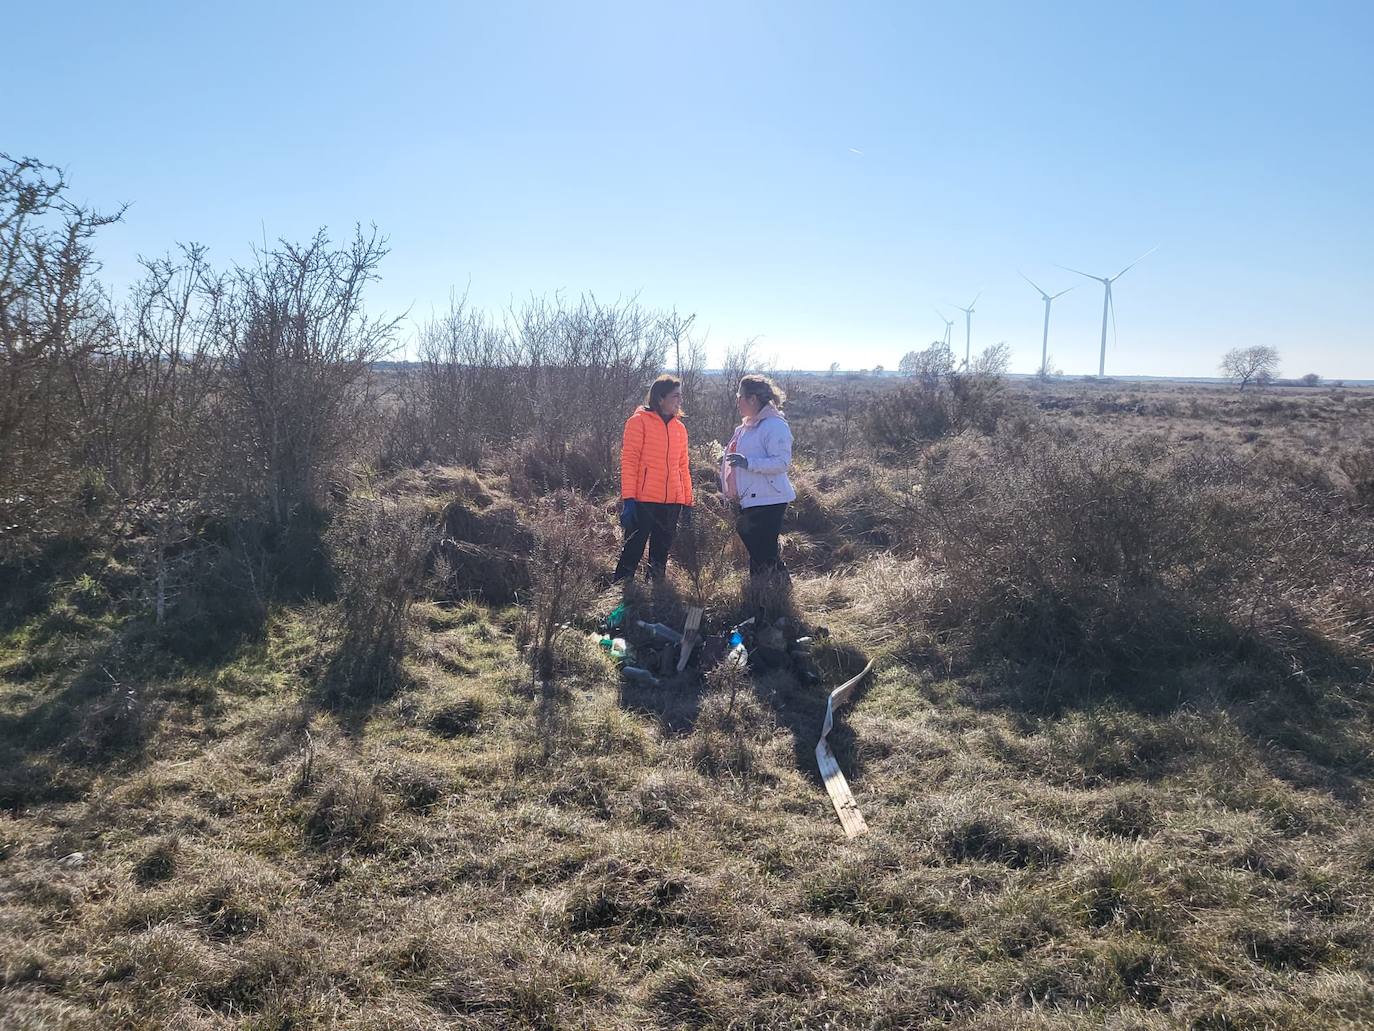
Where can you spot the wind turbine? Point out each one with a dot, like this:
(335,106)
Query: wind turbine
(1107,305)
(949,325)
(968,326)
(1045,339)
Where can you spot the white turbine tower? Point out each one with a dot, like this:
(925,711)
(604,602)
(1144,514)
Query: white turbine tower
(949,325)
(968,327)
(1045,338)
(1107,305)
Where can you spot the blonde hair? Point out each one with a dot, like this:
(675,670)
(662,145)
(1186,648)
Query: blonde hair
(768,392)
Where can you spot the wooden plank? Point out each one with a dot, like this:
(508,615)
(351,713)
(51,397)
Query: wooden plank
(689,636)
(838,788)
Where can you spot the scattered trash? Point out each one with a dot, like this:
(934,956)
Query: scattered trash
(738,656)
(616,618)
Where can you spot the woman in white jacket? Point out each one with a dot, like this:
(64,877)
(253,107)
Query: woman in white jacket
(753,472)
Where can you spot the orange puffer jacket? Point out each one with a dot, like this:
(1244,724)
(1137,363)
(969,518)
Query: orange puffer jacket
(653,460)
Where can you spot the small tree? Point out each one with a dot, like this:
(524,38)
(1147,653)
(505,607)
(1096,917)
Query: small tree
(1246,365)
(929,366)
(1311,380)
(993,362)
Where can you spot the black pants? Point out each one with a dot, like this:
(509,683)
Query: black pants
(759,527)
(655,525)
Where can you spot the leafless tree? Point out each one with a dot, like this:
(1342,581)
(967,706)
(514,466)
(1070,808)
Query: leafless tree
(1246,365)
(928,367)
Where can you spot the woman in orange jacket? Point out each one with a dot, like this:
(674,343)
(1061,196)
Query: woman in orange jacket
(655,479)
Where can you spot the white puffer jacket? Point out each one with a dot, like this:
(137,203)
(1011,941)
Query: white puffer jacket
(767,443)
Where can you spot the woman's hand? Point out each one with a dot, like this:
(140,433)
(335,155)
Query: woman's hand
(737,460)
(628,514)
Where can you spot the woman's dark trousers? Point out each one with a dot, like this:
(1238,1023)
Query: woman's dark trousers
(655,526)
(759,527)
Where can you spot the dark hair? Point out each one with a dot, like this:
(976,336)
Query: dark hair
(763,388)
(661,388)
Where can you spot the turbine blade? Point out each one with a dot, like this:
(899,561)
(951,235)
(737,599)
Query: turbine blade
(1031,281)
(1136,262)
(1074,270)
(1061,293)
(975,300)
(1111,305)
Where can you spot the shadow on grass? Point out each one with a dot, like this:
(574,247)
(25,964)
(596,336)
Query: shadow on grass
(1305,700)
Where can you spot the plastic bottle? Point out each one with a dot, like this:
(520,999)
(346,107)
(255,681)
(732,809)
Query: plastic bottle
(738,656)
(618,648)
(661,630)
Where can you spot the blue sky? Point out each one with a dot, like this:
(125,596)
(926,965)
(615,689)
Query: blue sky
(816,175)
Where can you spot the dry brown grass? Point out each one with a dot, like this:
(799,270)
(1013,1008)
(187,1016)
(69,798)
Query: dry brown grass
(471,852)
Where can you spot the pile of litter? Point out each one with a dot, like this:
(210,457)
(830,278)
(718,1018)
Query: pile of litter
(662,653)
(650,653)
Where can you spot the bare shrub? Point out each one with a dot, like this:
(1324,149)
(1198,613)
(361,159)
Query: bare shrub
(562,573)
(940,401)
(300,348)
(703,551)
(378,550)
(465,383)
(54,320)
(1101,560)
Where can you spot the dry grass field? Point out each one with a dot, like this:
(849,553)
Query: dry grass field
(1115,759)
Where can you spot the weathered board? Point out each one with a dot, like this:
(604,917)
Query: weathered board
(690,633)
(848,810)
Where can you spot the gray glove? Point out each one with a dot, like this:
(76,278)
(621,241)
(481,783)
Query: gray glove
(737,460)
